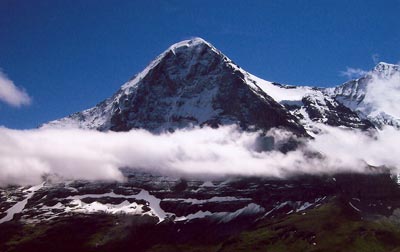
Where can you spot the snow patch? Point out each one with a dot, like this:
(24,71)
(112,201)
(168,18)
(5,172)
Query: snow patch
(154,203)
(19,206)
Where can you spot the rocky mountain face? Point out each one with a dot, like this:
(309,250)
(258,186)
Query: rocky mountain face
(314,105)
(192,83)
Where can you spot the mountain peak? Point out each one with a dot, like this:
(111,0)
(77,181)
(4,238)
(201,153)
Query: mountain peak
(385,64)
(188,48)
(190,43)
(190,84)
(386,69)
(192,46)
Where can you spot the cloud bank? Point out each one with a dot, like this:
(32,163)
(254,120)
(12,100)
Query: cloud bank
(27,155)
(11,94)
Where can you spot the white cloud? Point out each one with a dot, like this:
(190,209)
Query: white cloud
(352,73)
(25,156)
(382,96)
(376,58)
(353,149)
(11,94)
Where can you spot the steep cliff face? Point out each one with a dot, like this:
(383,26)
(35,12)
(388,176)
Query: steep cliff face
(192,83)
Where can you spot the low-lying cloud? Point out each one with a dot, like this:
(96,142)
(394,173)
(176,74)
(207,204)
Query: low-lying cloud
(11,94)
(27,155)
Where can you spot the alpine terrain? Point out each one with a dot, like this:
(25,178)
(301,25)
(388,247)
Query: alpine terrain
(193,84)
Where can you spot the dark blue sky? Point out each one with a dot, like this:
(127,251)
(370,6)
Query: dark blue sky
(70,55)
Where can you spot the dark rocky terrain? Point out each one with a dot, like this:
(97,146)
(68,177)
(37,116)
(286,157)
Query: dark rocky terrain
(235,214)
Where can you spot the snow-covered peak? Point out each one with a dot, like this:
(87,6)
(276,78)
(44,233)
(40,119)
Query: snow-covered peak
(190,43)
(381,66)
(185,47)
(374,96)
(385,69)
(191,83)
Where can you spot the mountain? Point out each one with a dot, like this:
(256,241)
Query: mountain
(374,96)
(312,105)
(194,84)
(191,83)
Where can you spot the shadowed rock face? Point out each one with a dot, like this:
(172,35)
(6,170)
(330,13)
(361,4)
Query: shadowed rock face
(194,84)
(197,86)
(190,84)
(334,113)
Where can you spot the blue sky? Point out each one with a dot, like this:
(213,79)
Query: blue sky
(70,55)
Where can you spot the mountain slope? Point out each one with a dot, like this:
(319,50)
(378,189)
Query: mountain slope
(311,105)
(347,212)
(374,96)
(191,83)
